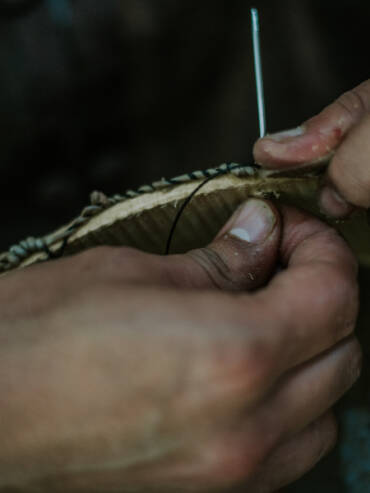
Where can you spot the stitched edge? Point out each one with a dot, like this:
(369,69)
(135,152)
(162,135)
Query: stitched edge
(99,202)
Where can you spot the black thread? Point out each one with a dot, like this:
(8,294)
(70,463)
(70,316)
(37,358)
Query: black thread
(187,201)
(51,255)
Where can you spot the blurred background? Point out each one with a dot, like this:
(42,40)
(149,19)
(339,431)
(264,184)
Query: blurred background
(111,94)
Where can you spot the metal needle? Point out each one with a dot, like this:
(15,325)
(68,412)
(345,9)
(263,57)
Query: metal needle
(258,71)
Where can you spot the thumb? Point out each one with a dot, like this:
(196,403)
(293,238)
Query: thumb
(317,138)
(242,256)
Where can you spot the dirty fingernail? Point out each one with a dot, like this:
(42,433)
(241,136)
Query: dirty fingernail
(333,204)
(253,222)
(287,134)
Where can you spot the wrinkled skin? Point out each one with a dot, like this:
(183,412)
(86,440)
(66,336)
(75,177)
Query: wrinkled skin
(124,371)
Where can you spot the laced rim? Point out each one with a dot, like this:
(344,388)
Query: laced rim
(99,202)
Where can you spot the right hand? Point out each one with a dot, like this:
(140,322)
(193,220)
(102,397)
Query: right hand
(343,127)
(124,371)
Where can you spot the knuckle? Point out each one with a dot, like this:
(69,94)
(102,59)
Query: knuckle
(233,461)
(332,298)
(229,266)
(247,368)
(350,359)
(259,369)
(340,293)
(345,289)
(362,93)
(331,431)
(355,102)
(337,283)
(217,270)
(325,432)
(238,369)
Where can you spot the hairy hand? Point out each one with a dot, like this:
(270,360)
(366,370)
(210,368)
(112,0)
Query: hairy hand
(344,126)
(124,371)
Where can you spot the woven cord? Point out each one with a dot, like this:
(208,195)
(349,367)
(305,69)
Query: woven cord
(98,203)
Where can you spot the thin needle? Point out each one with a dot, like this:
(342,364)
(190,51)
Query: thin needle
(258,71)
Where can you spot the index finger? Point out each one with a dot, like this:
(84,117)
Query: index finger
(312,304)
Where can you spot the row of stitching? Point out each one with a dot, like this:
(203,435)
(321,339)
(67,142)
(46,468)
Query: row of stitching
(99,202)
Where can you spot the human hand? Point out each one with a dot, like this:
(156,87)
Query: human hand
(124,371)
(343,126)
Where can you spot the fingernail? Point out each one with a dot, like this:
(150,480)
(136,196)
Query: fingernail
(333,204)
(253,222)
(287,134)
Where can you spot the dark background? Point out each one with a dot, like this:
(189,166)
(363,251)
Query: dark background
(109,94)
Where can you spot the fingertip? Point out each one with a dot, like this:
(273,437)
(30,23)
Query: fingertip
(253,222)
(301,146)
(243,255)
(269,154)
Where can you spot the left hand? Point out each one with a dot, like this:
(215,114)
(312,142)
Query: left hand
(124,371)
